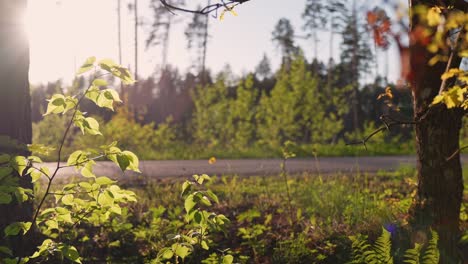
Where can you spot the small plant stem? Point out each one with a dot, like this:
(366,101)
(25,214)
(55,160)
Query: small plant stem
(285,177)
(59,155)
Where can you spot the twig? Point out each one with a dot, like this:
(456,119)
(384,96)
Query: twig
(205,10)
(456,153)
(386,126)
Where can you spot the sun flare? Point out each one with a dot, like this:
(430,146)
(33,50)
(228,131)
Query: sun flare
(64,33)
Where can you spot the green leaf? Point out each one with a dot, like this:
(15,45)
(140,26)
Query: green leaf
(5,198)
(201,178)
(19,163)
(14,229)
(105,199)
(87,66)
(71,253)
(87,170)
(56,104)
(67,199)
(204,245)
(186,186)
(91,126)
(77,159)
(35,176)
(167,253)
(93,94)
(4,158)
(118,71)
(104,181)
(133,159)
(99,82)
(65,218)
(189,203)
(228,259)
(112,94)
(5,171)
(35,159)
(212,196)
(46,244)
(181,250)
(52,224)
(123,161)
(6,251)
(61,210)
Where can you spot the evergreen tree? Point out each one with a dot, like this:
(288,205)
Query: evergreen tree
(356,55)
(280,115)
(161,27)
(315,20)
(263,69)
(212,121)
(197,40)
(283,37)
(243,110)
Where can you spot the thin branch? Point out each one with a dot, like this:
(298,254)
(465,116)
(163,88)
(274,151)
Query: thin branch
(443,85)
(386,126)
(59,155)
(458,151)
(205,10)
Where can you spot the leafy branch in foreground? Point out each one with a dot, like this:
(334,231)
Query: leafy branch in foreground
(92,201)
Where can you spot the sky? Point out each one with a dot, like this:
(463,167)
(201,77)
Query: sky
(63,33)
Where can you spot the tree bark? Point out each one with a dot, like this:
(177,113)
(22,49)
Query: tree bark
(440,181)
(15,109)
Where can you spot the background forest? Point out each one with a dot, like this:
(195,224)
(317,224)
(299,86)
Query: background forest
(197,113)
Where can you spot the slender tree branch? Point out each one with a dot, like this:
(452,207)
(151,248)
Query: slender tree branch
(59,155)
(387,125)
(205,10)
(456,153)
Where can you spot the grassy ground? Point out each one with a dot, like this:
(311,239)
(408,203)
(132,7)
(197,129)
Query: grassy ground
(309,220)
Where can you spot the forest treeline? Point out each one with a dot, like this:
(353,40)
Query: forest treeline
(177,116)
(197,113)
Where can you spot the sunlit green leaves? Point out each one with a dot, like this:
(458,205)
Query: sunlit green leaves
(103,98)
(19,164)
(60,104)
(104,181)
(87,125)
(15,228)
(126,160)
(87,65)
(77,158)
(117,70)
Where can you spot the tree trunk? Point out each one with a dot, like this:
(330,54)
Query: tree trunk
(440,181)
(15,109)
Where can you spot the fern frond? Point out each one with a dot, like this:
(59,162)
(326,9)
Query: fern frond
(359,248)
(383,248)
(431,254)
(412,255)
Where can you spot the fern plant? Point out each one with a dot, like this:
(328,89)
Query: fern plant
(381,251)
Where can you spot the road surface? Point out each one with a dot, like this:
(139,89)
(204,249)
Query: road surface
(249,167)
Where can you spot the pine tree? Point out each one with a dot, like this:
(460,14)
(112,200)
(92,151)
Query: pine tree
(356,54)
(161,27)
(315,20)
(263,69)
(283,37)
(197,40)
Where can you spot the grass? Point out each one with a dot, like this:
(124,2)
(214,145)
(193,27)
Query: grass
(324,212)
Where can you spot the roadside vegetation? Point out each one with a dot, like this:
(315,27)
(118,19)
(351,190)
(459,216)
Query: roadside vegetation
(325,215)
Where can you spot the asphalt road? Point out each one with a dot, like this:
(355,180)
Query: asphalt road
(249,167)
